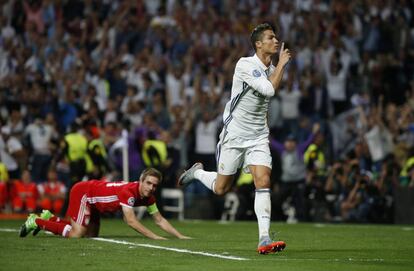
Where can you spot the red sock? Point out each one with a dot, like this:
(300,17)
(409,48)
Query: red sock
(58,228)
(58,219)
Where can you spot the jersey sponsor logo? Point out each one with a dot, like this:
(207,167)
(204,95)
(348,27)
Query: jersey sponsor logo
(256,73)
(257,94)
(131,201)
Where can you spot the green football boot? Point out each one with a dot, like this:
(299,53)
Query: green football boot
(45,215)
(29,225)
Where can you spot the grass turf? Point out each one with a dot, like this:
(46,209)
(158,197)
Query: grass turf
(309,247)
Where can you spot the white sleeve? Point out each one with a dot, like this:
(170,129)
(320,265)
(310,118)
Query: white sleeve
(14,145)
(254,78)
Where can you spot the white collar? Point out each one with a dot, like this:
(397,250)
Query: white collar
(261,64)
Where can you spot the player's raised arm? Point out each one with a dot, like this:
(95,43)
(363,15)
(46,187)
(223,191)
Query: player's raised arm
(131,220)
(284,57)
(254,78)
(166,226)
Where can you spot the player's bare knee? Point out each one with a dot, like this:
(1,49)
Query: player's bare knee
(262,181)
(77,231)
(75,234)
(220,190)
(223,184)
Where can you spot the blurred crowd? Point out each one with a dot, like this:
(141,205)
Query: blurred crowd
(74,74)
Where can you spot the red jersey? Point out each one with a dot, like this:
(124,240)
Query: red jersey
(24,190)
(110,196)
(51,188)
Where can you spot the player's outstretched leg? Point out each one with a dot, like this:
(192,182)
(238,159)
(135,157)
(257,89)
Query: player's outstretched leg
(45,215)
(188,175)
(29,225)
(267,246)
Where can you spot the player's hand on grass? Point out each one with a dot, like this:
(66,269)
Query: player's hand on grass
(159,238)
(183,237)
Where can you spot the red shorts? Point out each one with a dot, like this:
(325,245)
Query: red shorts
(79,209)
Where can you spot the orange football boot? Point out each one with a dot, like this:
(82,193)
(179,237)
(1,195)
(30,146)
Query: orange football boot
(269,246)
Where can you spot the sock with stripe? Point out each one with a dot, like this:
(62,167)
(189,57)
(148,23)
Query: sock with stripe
(58,228)
(262,208)
(208,178)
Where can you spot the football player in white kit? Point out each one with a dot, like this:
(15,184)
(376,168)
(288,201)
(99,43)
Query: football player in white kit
(244,141)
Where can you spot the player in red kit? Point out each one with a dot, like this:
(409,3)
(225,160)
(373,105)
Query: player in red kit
(88,199)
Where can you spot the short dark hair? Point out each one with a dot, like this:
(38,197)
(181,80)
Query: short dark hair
(150,172)
(257,33)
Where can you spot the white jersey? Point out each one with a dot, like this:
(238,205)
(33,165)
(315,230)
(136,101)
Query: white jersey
(245,115)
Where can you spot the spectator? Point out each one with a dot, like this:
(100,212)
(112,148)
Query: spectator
(11,150)
(24,194)
(336,189)
(377,136)
(52,193)
(336,74)
(175,86)
(40,137)
(290,98)
(314,102)
(293,170)
(359,204)
(73,149)
(15,122)
(96,158)
(4,178)
(407,172)
(155,152)
(206,130)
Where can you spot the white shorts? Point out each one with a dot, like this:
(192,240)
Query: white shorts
(235,152)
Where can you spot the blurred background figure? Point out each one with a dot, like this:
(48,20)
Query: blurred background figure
(41,140)
(52,193)
(24,194)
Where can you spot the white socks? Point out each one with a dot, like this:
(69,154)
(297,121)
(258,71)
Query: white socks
(262,208)
(66,230)
(208,178)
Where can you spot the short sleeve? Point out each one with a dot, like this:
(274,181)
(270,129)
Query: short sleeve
(126,199)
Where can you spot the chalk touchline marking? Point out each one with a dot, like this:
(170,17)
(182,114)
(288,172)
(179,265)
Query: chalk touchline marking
(228,257)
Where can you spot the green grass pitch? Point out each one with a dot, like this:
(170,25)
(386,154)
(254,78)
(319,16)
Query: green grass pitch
(309,247)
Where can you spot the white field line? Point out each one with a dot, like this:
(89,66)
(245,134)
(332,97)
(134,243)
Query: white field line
(171,249)
(8,230)
(156,247)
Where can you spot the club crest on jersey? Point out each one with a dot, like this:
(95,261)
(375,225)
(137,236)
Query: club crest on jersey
(256,73)
(131,201)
